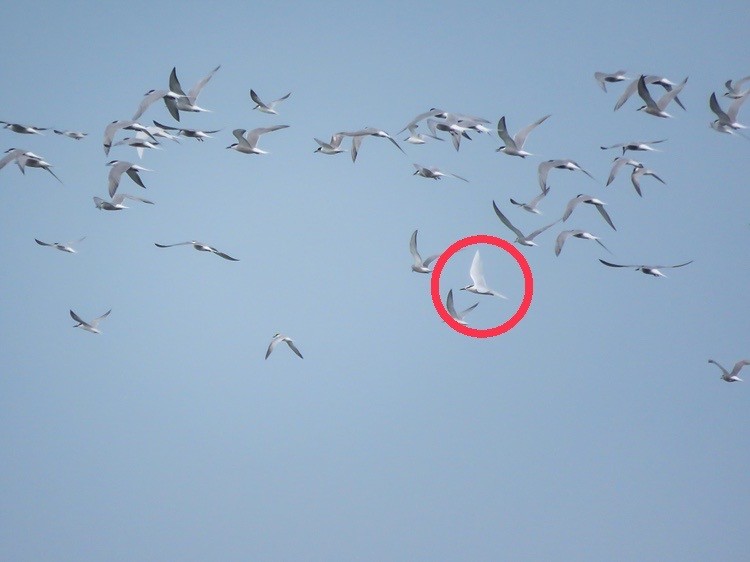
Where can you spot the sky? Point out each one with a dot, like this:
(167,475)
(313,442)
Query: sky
(594,430)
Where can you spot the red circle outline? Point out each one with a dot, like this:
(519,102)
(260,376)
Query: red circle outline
(528,282)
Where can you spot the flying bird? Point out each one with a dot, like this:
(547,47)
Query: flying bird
(92,326)
(514,146)
(617,165)
(183,101)
(636,175)
(331,147)
(590,200)
(270,107)
(654,270)
(62,246)
(479,285)
(603,78)
(117,203)
(531,206)
(635,145)
(111,129)
(196,134)
(33,161)
(728,118)
(656,108)
(358,136)
(75,135)
(200,246)
(632,88)
(278,338)
(419,265)
(419,138)
(734,88)
(23,129)
(120,167)
(731,377)
(170,99)
(457,316)
(565,234)
(434,173)
(545,167)
(520,237)
(248,144)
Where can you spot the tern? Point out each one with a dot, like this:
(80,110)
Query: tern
(120,167)
(531,206)
(419,265)
(182,101)
(92,326)
(434,112)
(200,246)
(479,285)
(331,147)
(520,237)
(170,99)
(565,234)
(117,202)
(635,145)
(76,135)
(514,146)
(248,144)
(278,338)
(457,316)
(591,200)
(196,134)
(270,107)
(11,155)
(731,377)
(23,129)
(637,173)
(654,270)
(728,119)
(604,77)
(114,126)
(434,173)
(657,108)
(418,138)
(452,126)
(33,161)
(618,163)
(545,167)
(62,246)
(648,79)
(358,136)
(734,88)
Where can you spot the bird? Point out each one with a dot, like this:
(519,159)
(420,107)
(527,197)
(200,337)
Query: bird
(605,77)
(418,138)
(479,285)
(76,135)
(92,326)
(170,99)
(117,202)
(270,107)
(657,108)
(520,237)
(331,147)
(120,167)
(531,206)
(62,246)
(12,155)
(278,338)
(654,270)
(23,129)
(434,112)
(618,163)
(419,265)
(452,127)
(434,173)
(111,129)
(33,161)
(248,144)
(734,88)
(731,377)
(514,146)
(196,134)
(457,316)
(358,136)
(565,234)
(545,167)
(591,200)
(138,142)
(637,173)
(635,145)
(632,88)
(186,102)
(728,118)
(200,246)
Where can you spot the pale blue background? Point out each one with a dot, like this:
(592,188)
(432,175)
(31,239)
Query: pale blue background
(595,430)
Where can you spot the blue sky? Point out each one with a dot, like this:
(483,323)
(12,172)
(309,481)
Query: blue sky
(595,430)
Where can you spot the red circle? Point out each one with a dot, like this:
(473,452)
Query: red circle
(528,282)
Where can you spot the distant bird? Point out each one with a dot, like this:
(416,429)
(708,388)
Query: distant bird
(186,102)
(545,167)
(62,246)
(635,145)
(731,377)
(520,237)
(618,163)
(418,138)
(76,135)
(23,129)
(196,134)
(200,246)
(139,143)
(654,270)
(734,88)
(434,112)
(514,146)
(33,161)
(648,79)
(120,167)
(452,127)
(419,265)
(248,144)
(270,107)
(114,126)
(531,206)
(92,326)
(434,173)
(170,99)
(12,155)
(117,202)
(604,77)
(656,108)
(590,200)
(457,316)
(565,234)
(277,339)
(358,136)
(636,175)
(728,118)
(331,147)
(479,285)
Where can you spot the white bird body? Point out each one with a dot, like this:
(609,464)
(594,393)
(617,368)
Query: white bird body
(636,175)
(117,203)
(277,339)
(728,118)
(62,246)
(521,238)
(457,316)
(733,375)
(479,285)
(23,129)
(248,144)
(331,147)
(92,326)
(734,88)
(434,173)
(270,107)
(76,135)
(182,101)
(514,146)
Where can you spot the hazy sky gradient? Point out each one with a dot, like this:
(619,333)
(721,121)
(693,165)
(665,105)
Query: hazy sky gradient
(595,430)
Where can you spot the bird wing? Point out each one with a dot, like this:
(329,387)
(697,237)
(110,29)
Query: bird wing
(190,243)
(133,197)
(95,321)
(477,271)
(43,243)
(195,90)
(506,222)
(167,127)
(543,172)
(502,132)
(293,347)
(174,83)
(274,342)
(605,215)
(413,249)
(449,305)
(257,99)
(616,265)
(561,238)
(738,366)
(734,107)
(670,95)
(223,255)
(644,93)
(78,319)
(571,205)
(147,100)
(133,175)
(540,230)
(520,137)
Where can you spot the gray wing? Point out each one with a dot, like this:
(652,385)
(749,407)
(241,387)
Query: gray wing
(644,93)
(535,201)
(293,347)
(223,255)
(561,238)
(96,321)
(616,265)
(134,198)
(167,127)
(419,118)
(668,266)
(78,319)
(274,343)
(716,108)
(174,83)
(356,142)
(397,146)
(502,132)
(190,243)
(572,205)
(506,222)
(543,172)
(520,137)
(42,243)
(413,247)
(619,163)
(539,231)
(734,107)
(257,99)
(147,100)
(670,95)
(629,91)
(195,90)
(738,366)
(605,215)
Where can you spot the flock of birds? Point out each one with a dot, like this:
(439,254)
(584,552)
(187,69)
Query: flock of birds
(423,128)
